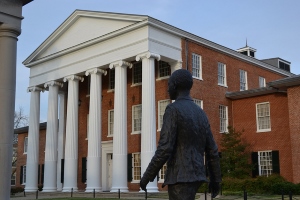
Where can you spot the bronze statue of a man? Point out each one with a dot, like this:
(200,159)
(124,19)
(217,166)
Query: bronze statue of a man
(185,139)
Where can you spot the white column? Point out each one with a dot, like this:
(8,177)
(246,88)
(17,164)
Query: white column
(119,173)
(8,55)
(148,134)
(94,134)
(61,138)
(32,162)
(175,66)
(50,173)
(71,148)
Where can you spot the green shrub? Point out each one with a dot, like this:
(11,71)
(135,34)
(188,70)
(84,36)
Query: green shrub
(273,184)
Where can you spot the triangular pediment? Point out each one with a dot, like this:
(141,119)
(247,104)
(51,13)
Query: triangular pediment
(81,27)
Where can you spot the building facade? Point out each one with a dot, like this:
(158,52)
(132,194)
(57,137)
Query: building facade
(107,76)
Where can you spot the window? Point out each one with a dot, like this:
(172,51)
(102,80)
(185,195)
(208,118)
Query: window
(13,176)
(110,123)
(137,73)
(162,173)
(136,163)
(223,118)
(263,117)
(262,82)
(222,74)
(25,144)
(111,84)
(243,80)
(164,69)
(161,111)
(284,66)
(23,169)
(87,125)
(137,119)
(197,66)
(265,163)
(198,102)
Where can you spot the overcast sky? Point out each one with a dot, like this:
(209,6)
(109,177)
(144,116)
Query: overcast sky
(270,26)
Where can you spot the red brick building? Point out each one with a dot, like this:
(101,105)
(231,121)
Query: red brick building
(112,117)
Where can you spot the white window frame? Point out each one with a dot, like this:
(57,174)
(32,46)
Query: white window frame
(162,105)
(166,67)
(111,80)
(139,106)
(134,73)
(136,167)
(24,175)
(198,102)
(196,66)
(223,114)
(267,116)
(110,123)
(265,166)
(222,74)
(13,177)
(25,145)
(261,82)
(243,80)
(162,173)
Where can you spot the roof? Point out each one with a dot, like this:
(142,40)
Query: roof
(285,82)
(251,93)
(139,21)
(25,129)
(26,2)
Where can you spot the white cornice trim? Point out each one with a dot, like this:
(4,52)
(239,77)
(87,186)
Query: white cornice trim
(215,46)
(146,21)
(70,21)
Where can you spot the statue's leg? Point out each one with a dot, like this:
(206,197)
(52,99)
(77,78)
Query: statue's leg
(183,191)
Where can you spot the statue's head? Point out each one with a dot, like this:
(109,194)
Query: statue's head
(180,81)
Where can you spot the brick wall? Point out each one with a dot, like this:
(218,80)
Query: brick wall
(21,160)
(294,110)
(244,115)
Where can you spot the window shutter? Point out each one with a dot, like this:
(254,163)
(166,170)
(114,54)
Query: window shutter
(42,174)
(39,171)
(62,164)
(83,171)
(21,175)
(129,167)
(254,157)
(275,162)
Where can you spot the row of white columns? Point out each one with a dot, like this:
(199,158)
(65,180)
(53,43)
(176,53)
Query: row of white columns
(54,142)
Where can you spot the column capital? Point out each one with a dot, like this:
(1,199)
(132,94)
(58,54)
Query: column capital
(120,63)
(9,31)
(147,55)
(176,65)
(73,77)
(35,88)
(53,83)
(95,71)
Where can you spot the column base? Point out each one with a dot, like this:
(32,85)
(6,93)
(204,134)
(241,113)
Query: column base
(31,189)
(91,189)
(116,189)
(69,189)
(49,189)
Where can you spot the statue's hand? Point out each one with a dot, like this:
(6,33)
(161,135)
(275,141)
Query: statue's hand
(214,188)
(143,183)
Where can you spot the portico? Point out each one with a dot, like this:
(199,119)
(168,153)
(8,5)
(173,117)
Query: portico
(100,42)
